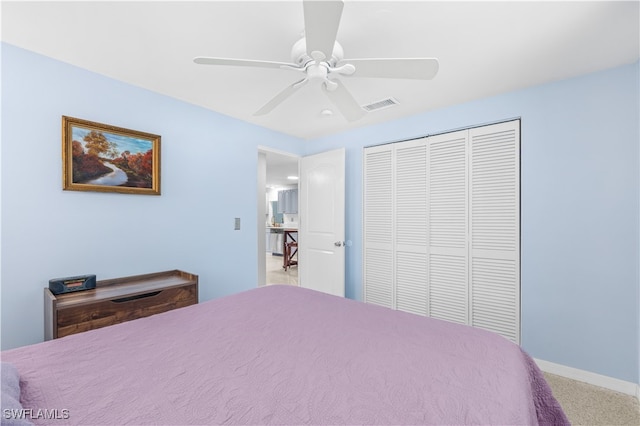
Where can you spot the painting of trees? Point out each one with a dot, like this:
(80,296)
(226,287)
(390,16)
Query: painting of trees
(99,157)
(86,166)
(139,167)
(89,161)
(98,145)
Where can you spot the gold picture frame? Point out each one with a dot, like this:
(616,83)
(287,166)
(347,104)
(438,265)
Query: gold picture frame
(103,158)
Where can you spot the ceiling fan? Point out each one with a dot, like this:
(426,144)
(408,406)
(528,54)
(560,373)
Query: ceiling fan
(320,58)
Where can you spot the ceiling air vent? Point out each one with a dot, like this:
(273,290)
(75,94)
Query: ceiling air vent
(385,103)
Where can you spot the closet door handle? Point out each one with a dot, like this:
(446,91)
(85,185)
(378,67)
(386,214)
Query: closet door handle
(338,243)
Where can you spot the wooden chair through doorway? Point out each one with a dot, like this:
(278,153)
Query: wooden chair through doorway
(290,249)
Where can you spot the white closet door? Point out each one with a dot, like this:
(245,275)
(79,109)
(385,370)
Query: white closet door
(495,228)
(447,220)
(378,226)
(410,203)
(442,227)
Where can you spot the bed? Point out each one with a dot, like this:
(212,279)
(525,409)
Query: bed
(281,355)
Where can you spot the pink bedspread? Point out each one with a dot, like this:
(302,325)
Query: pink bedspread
(284,355)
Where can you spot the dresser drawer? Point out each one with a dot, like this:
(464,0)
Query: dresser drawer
(120,301)
(78,319)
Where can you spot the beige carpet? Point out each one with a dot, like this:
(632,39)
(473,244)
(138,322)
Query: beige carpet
(585,404)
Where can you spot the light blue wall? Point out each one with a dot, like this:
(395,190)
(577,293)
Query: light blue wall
(209,164)
(580,197)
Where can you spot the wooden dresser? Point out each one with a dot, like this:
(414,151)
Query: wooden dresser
(117,300)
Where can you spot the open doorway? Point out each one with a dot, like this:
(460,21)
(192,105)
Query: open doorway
(277,217)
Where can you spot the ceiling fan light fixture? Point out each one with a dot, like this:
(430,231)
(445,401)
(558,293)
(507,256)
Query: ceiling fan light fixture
(320,57)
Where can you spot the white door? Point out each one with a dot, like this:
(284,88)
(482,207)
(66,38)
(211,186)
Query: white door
(378,226)
(494,204)
(321,247)
(448,229)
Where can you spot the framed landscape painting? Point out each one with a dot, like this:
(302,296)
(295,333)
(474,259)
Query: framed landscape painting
(103,158)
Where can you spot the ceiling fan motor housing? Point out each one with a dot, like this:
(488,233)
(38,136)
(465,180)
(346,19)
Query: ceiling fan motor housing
(301,58)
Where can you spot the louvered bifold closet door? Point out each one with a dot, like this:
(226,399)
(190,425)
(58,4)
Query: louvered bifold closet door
(410,203)
(378,226)
(447,227)
(495,228)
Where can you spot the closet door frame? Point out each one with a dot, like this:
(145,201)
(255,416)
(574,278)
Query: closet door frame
(488,266)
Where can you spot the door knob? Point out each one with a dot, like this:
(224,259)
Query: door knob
(338,243)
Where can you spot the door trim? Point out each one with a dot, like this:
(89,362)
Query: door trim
(261,209)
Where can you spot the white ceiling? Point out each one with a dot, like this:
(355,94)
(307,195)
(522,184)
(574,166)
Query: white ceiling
(484,48)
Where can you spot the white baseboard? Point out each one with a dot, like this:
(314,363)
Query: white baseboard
(595,379)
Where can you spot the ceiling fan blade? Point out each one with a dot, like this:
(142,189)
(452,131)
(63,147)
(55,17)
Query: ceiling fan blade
(405,68)
(281,97)
(321,21)
(344,101)
(202,60)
